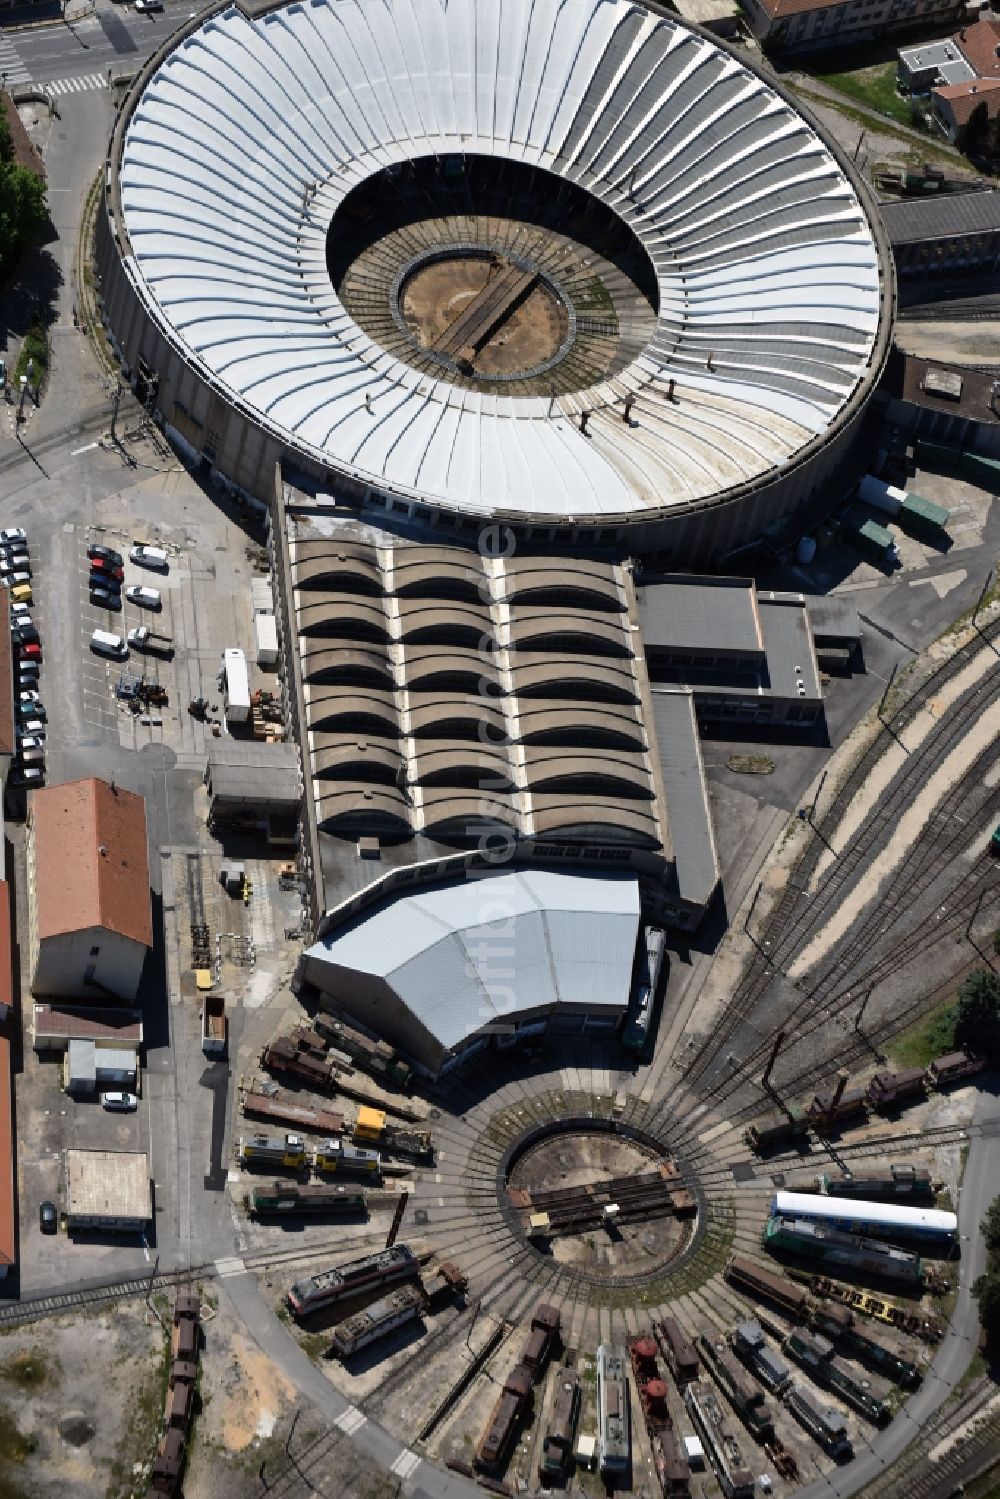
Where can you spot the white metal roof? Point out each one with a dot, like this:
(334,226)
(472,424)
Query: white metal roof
(252,131)
(463,955)
(848,1210)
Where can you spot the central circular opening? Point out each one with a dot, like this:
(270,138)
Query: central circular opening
(492,274)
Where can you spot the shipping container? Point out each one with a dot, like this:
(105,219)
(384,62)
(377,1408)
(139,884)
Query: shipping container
(922,518)
(237,686)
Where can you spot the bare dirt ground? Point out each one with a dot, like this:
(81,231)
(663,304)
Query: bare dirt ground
(80,1403)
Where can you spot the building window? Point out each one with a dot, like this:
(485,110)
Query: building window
(95,952)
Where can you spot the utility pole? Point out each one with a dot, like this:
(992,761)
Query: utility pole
(819,788)
(888,689)
(116,401)
(397,1219)
(765,1081)
(982,595)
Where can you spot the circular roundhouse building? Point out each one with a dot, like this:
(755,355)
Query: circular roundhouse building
(571,265)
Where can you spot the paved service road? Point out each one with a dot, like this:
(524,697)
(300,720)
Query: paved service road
(116,37)
(980,1185)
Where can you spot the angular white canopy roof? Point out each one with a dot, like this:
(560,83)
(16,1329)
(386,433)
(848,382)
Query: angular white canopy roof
(464,955)
(252,131)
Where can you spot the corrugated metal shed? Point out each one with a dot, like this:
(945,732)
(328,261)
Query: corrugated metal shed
(916,219)
(695,859)
(247,772)
(468,953)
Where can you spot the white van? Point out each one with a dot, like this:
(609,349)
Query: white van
(148,556)
(107,644)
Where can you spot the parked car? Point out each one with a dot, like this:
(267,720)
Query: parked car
(105,554)
(27,672)
(25,775)
(30,650)
(31,757)
(20,614)
(14,574)
(34,728)
(147,598)
(104,598)
(15,551)
(27,742)
(122,1103)
(20,593)
(29,696)
(107,569)
(149,556)
(100,579)
(25,634)
(13,533)
(107,644)
(147,5)
(48,1217)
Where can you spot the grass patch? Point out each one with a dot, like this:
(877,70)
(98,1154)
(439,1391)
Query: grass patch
(922,1042)
(143,1431)
(932,151)
(874,87)
(26,1370)
(314,1344)
(35,347)
(751,765)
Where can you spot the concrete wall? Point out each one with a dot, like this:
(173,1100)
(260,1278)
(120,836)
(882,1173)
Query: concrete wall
(67,967)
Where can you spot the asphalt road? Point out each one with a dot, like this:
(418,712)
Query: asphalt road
(116,37)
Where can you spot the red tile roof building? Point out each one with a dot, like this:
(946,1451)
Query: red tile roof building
(955,103)
(90,919)
(8,1241)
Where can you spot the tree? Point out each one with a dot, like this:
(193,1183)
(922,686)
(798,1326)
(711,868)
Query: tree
(22,202)
(987,1292)
(990,1227)
(977,1022)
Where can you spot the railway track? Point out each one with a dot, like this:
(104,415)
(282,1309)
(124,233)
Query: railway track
(797,916)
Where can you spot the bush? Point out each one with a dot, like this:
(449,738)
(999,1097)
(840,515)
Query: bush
(977,1023)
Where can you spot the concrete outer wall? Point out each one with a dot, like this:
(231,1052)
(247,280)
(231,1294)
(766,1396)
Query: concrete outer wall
(230,440)
(61,963)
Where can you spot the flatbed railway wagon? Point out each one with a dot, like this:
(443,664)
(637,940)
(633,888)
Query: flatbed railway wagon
(372,1272)
(724,1451)
(371,1129)
(282,1109)
(340,1155)
(293,1200)
(759,1281)
(614,1433)
(385,1316)
(825,1426)
(672,1471)
(678,1351)
(811,1240)
(895,1183)
(557,1445)
(375,1057)
(886,1220)
(512,1402)
(777,1129)
(272,1150)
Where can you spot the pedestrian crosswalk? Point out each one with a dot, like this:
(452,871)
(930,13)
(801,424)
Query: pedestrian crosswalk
(12,69)
(77,85)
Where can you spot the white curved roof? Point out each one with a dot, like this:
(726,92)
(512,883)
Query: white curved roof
(251,132)
(466,954)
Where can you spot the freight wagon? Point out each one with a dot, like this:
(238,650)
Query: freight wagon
(952,1067)
(258,1105)
(370,1128)
(291,1199)
(747,1275)
(805,1237)
(824,1425)
(557,1446)
(340,1155)
(889,1220)
(272,1150)
(827,1111)
(889,1088)
(677,1350)
(777,1129)
(384,1316)
(743,1395)
(725,1454)
(168,1464)
(284,1056)
(512,1402)
(891,1184)
(614,1435)
(370,1272)
(545,1326)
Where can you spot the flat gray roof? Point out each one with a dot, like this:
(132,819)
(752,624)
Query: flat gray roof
(943,55)
(912,220)
(255,772)
(833,616)
(791,655)
(108,1184)
(696,863)
(687,613)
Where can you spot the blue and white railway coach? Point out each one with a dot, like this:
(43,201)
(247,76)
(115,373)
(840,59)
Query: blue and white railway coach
(886,1220)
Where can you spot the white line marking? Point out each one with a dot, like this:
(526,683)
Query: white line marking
(405,1463)
(230,1267)
(90,445)
(350,1420)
